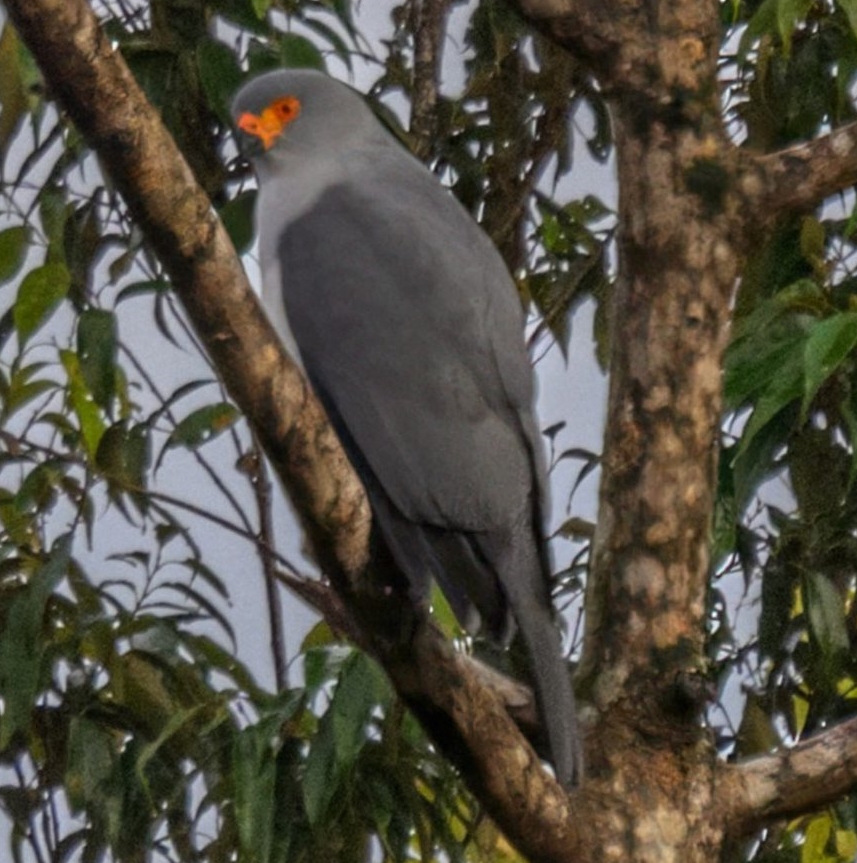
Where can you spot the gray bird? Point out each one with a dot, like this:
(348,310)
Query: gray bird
(406,322)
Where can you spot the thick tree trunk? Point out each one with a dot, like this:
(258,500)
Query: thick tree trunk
(654,791)
(646,600)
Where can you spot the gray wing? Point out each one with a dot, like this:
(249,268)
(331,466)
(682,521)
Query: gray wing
(408,323)
(410,330)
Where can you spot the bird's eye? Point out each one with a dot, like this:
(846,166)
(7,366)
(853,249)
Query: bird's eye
(285,108)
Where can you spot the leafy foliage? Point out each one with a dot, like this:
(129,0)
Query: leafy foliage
(129,727)
(786,508)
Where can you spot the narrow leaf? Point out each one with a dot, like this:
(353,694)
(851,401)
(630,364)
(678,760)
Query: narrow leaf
(13,250)
(40,293)
(826,615)
(203,425)
(13,97)
(361,687)
(88,416)
(96,350)
(830,342)
(297,52)
(254,779)
(237,217)
(320,776)
(22,643)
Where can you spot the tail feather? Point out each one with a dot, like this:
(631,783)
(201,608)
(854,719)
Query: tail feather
(485,577)
(554,692)
(521,570)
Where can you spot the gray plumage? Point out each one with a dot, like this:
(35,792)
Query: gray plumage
(408,325)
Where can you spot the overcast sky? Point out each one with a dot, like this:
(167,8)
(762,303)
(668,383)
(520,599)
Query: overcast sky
(572,392)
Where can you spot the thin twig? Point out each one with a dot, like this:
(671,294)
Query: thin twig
(261,484)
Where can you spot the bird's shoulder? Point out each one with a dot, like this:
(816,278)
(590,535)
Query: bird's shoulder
(403,199)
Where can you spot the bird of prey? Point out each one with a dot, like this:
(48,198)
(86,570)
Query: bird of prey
(409,328)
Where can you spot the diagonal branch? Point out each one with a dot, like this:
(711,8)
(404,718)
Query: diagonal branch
(465,718)
(807,777)
(800,177)
(589,29)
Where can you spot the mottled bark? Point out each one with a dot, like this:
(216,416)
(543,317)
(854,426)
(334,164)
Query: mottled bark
(813,774)
(429,33)
(466,718)
(688,201)
(93,84)
(689,205)
(800,177)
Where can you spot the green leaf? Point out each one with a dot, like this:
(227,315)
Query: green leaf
(237,217)
(243,13)
(813,242)
(830,342)
(220,75)
(756,733)
(13,250)
(849,7)
(789,12)
(776,397)
(297,52)
(41,291)
(815,837)
(254,777)
(342,732)
(442,612)
(22,389)
(191,598)
(123,455)
(90,762)
(203,425)
(320,777)
(53,214)
(22,642)
(780,16)
(208,653)
(757,366)
(89,417)
(319,636)
(361,687)
(97,347)
(181,720)
(826,614)
(321,665)
(769,339)
(137,289)
(38,489)
(846,844)
(82,237)
(13,96)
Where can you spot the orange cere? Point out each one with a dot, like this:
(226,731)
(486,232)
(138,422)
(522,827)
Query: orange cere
(269,125)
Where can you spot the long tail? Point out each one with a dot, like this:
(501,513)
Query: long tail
(522,576)
(469,567)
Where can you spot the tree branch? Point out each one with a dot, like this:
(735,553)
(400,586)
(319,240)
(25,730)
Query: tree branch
(518,699)
(794,781)
(466,719)
(587,28)
(428,35)
(100,94)
(800,177)
(261,485)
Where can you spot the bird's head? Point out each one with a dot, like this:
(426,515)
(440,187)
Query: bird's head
(301,112)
